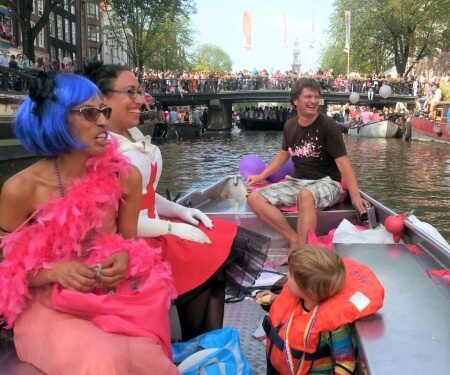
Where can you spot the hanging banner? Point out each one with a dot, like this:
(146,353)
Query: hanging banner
(247,28)
(284,43)
(347,32)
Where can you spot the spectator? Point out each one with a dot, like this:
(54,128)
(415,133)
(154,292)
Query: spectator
(4,61)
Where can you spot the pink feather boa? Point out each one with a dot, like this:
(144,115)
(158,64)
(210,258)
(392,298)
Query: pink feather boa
(62,224)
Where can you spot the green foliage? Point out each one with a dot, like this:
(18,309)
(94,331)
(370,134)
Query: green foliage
(386,33)
(210,58)
(445,88)
(144,28)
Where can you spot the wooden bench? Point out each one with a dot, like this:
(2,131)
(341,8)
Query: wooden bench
(411,333)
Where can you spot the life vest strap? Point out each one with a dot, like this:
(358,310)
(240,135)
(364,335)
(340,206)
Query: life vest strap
(276,340)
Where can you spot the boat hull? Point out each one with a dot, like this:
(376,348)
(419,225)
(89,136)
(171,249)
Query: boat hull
(425,130)
(147,122)
(253,124)
(381,129)
(182,130)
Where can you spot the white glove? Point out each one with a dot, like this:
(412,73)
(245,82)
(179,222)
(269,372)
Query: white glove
(154,227)
(167,208)
(189,232)
(190,215)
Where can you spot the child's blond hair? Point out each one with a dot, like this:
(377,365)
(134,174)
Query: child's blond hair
(317,271)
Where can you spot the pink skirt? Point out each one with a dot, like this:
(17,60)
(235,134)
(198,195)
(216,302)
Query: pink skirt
(63,344)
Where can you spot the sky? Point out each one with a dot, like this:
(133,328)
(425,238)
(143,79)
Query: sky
(220,23)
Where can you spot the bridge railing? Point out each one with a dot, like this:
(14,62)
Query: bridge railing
(172,85)
(19,80)
(16,79)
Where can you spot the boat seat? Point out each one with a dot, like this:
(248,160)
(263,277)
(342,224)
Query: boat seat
(410,334)
(332,215)
(242,214)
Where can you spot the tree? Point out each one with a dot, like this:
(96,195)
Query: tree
(386,33)
(211,58)
(136,24)
(22,9)
(170,43)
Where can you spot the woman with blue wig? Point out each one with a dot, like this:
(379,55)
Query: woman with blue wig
(73,274)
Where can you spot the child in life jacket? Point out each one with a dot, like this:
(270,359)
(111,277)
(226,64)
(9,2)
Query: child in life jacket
(307,326)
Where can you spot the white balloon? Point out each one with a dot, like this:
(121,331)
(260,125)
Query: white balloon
(385,91)
(354,97)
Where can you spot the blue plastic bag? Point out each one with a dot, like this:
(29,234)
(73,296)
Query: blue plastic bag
(214,353)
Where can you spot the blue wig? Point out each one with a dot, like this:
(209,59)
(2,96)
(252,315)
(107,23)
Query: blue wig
(41,124)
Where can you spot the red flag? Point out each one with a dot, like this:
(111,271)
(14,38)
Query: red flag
(247,27)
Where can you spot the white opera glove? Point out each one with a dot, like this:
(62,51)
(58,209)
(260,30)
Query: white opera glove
(188,232)
(155,227)
(193,215)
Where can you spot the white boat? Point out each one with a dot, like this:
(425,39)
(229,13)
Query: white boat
(411,332)
(372,129)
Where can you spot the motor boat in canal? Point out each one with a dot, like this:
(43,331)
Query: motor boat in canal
(177,130)
(410,334)
(254,124)
(147,122)
(372,129)
(421,129)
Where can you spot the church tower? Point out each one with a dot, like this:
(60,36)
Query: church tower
(296,61)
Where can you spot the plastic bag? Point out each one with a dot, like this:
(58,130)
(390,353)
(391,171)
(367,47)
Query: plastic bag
(214,353)
(430,230)
(346,232)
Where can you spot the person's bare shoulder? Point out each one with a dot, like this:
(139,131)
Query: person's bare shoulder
(19,185)
(27,184)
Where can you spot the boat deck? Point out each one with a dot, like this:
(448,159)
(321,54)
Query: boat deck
(409,335)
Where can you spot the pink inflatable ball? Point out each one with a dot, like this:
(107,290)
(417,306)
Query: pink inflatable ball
(394,225)
(251,165)
(286,170)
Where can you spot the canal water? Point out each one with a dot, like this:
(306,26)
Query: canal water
(404,176)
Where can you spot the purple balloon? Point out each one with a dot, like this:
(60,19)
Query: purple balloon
(251,164)
(286,170)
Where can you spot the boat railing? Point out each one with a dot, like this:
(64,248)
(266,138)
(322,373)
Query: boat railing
(415,235)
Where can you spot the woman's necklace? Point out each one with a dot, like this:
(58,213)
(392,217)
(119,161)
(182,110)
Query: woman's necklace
(58,177)
(61,193)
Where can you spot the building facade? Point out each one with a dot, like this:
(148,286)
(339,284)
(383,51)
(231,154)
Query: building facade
(73,31)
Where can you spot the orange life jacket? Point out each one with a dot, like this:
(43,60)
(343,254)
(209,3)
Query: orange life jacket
(361,296)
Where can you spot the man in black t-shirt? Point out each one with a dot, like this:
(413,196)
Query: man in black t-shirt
(314,142)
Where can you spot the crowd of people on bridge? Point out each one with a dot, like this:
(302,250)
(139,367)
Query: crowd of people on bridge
(157,81)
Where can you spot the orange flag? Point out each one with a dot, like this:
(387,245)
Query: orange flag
(247,27)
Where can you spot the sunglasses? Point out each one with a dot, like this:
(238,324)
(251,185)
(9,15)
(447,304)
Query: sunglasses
(132,93)
(93,113)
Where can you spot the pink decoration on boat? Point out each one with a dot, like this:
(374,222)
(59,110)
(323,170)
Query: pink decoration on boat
(394,225)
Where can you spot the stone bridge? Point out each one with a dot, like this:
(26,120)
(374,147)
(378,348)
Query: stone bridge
(220,103)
